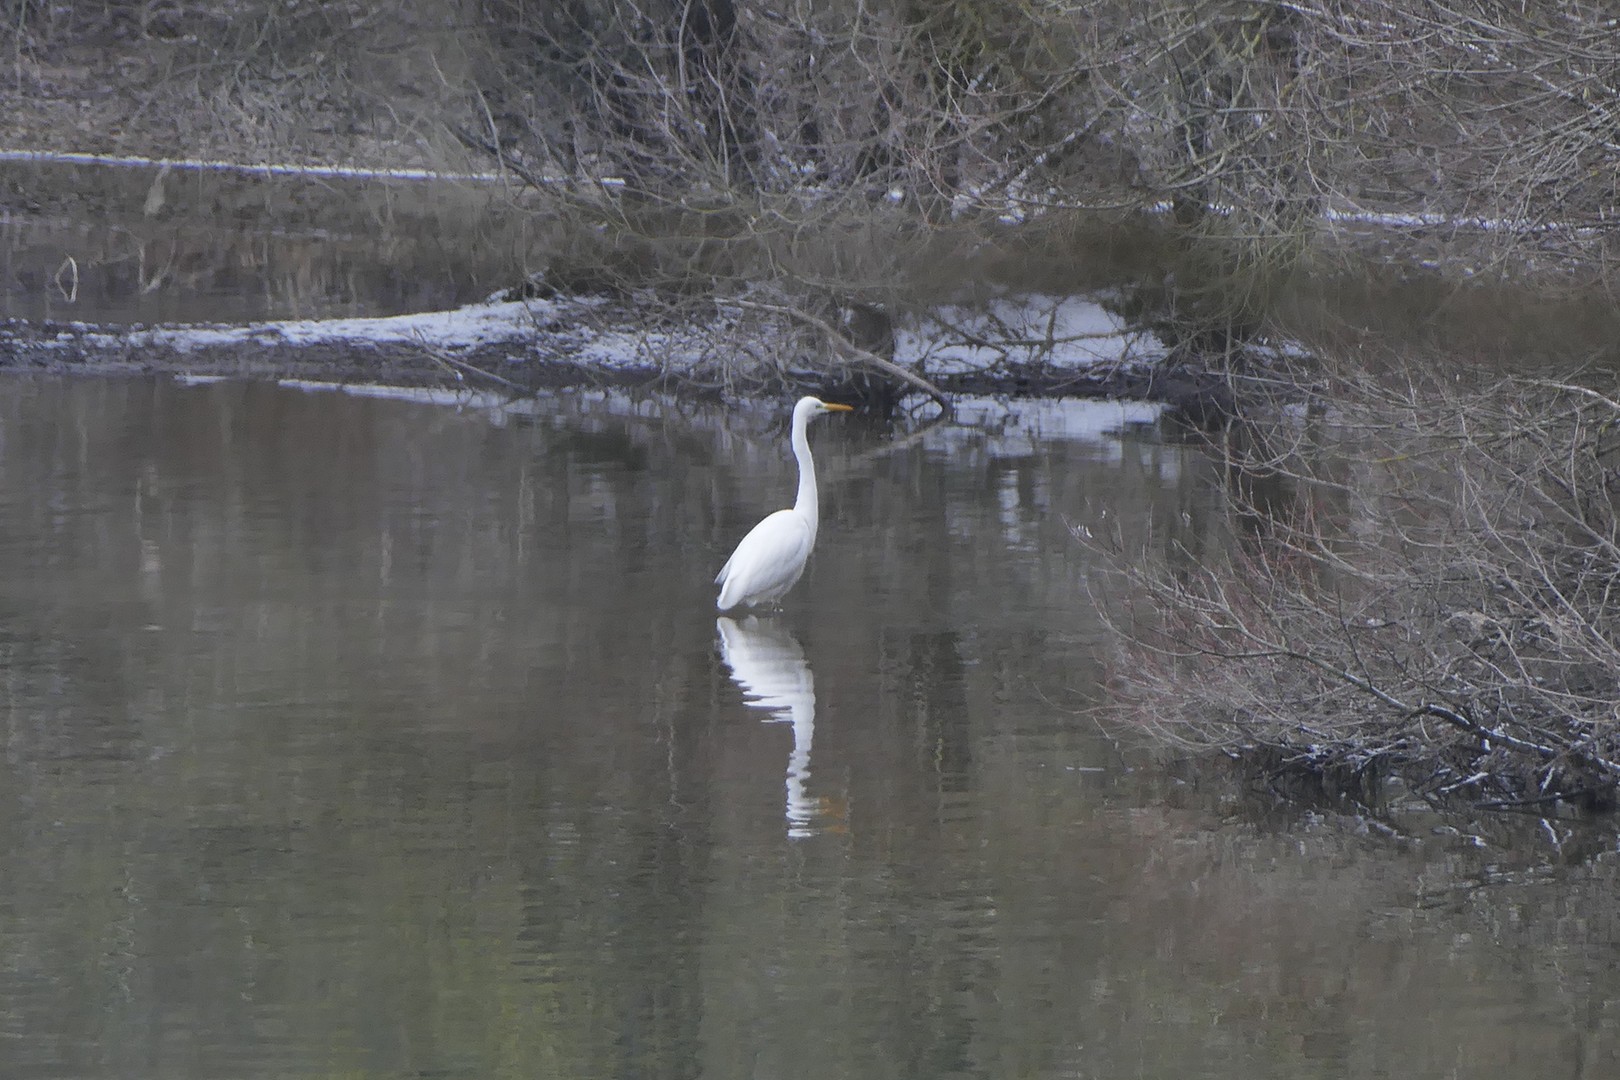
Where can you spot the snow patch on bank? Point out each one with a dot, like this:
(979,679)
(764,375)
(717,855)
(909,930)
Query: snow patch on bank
(1066,333)
(557,322)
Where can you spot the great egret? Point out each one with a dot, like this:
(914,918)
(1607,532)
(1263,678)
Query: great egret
(771,557)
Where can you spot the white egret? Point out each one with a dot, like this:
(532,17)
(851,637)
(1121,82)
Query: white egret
(771,557)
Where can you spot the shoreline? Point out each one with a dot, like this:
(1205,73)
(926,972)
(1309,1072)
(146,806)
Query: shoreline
(532,346)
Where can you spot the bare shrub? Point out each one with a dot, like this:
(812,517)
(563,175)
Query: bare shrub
(1424,578)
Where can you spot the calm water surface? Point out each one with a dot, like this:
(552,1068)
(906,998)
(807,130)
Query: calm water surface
(360,737)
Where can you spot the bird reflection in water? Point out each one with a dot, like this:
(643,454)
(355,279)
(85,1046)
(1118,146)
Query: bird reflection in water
(768,665)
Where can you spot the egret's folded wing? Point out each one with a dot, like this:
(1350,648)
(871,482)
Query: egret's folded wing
(770,558)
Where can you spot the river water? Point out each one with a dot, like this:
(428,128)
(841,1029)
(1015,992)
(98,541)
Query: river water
(372,737)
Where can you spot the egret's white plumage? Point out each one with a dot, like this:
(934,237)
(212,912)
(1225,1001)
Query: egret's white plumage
(771,557)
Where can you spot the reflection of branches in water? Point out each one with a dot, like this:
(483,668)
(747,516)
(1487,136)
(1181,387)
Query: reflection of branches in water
(904,442)
(768,665)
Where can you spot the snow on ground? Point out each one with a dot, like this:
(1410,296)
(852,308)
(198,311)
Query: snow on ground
(572,330)
(479,324)
(482,324)
(474,326)
(1059,332)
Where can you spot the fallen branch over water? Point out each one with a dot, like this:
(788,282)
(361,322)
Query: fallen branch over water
(461,367)
(842,343)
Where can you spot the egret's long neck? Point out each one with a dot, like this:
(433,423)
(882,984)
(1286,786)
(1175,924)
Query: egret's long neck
(807,504)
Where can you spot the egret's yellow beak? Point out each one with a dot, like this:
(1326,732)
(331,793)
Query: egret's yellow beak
(838,408)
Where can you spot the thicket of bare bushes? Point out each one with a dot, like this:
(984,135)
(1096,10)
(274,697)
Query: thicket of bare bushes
(1264,108)
(1424,581)
(1257,121)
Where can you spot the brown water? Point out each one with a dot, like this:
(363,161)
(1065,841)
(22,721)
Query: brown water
(370,738)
